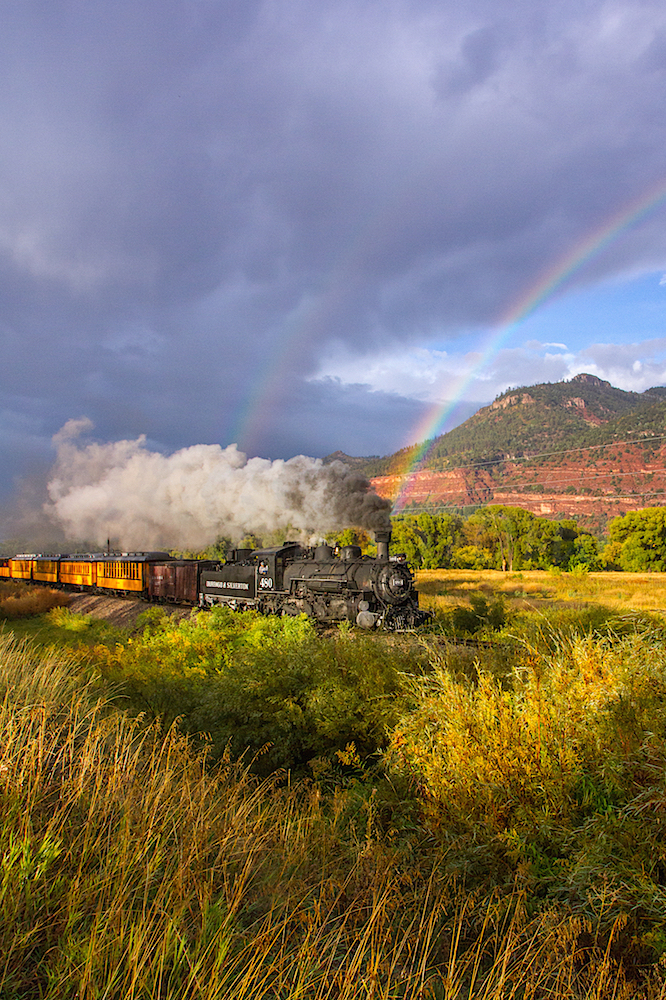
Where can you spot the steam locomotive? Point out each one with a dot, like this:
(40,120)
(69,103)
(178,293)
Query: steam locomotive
(286,580)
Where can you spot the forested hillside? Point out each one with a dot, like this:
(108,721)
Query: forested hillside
(581,449)
(530,419)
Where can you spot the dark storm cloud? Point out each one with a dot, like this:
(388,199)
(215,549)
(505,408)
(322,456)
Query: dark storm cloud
(327,413)
(188,187)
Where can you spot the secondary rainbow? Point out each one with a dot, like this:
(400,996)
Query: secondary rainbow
(549,281)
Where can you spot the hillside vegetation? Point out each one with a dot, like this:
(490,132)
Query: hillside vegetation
(532,419)
(581,449)
(366,818)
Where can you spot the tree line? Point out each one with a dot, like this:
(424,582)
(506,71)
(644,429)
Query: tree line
(494,537)
(510,538)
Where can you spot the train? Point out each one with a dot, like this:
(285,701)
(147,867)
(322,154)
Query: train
(327,585)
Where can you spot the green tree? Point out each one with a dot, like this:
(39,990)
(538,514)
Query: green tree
(428,540)
(351,536)
(500,530)
(472,557)
(637,541)
(511,538)
(585,553)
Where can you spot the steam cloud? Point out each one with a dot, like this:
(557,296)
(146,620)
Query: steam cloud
(147,500)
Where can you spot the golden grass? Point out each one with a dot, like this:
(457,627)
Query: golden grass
(129,869)
(541,588)
(20,600)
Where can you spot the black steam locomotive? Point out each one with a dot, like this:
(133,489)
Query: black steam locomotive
(293,580)
(287,580)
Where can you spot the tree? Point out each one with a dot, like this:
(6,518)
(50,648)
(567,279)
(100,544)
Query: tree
(511,538)
(506,531)
(428,540)
(637,541)
(585,553)
(351,536)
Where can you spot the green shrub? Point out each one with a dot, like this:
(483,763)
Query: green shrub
(70,620)
(267,686)
(479,616)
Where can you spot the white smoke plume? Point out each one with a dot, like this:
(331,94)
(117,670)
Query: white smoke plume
(146,500)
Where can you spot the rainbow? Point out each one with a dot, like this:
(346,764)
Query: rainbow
(546,285)
(309,321)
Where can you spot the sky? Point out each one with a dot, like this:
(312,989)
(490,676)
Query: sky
(298,226)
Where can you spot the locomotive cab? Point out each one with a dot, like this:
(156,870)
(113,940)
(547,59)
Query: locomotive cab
(249,578)
(271,564)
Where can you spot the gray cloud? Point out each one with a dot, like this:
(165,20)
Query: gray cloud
(197,199)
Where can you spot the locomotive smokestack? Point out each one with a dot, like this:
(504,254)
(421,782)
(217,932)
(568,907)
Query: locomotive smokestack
(383,539)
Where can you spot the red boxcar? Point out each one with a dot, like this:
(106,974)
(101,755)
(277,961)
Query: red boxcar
(176,582)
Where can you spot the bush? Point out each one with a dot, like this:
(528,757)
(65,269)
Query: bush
(70,621)
(479,616)
(556,780)
(267,686)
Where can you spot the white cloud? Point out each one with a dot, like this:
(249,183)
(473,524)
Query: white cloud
(436,376)
(420,373)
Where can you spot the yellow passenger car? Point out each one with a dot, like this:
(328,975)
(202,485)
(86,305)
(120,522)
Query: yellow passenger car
(78,571)
(45,570)
(5,568)
(21,567)
(124,573)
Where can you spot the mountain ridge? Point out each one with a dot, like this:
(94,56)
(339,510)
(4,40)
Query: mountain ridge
(578,448)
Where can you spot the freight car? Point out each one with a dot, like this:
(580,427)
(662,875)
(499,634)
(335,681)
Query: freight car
(285,580)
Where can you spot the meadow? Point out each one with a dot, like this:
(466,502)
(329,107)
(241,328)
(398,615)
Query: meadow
(233,806)
(540,590)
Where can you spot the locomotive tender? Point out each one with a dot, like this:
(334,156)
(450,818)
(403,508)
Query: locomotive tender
(285,580)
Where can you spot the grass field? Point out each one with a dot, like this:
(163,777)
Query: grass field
(232,807)
(541,589)
(508,846)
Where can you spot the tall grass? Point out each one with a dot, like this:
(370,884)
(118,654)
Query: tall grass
(132,868)
(18,600)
